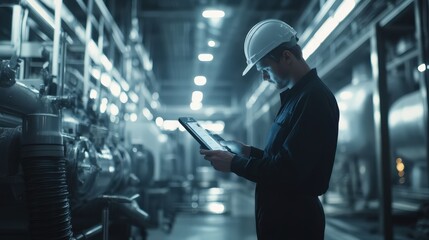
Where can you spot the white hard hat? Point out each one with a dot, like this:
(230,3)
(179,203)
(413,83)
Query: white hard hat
(264,37)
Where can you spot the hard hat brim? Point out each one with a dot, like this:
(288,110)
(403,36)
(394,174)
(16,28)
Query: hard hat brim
(246,70)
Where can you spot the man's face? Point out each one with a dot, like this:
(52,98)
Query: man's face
(274,71)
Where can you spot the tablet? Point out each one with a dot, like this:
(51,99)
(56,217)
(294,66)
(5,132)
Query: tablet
(200,134)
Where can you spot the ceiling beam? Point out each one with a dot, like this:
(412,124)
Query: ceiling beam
(166,93)
(187,83)
(193,14)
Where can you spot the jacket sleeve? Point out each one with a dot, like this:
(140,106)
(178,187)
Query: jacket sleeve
(309,144)
(256,152)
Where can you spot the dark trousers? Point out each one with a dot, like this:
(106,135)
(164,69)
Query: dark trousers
(294,219)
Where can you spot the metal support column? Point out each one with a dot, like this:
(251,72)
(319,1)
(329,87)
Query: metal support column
(380,101)
(57,36)
(87,59)
(421,10)
(16,28)
(100,44)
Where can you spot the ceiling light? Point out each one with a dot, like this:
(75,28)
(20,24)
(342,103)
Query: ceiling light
(154,104)
(422,67)
(205,57)
(125,85)
(147,114)
(115,89)
(159,121)
(200,80)
(212,13)
(196,106)
(181,128)
(95,72)
(133,96)
(197,96)
(123,97)
(106,62)
(155,96)
(103,105)
(93,94)
(93,51)
(133,117)
(114,110)
(105,79)
(328,26)
(211,43)
(170,125)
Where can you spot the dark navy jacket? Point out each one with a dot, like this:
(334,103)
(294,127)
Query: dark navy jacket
(299,154)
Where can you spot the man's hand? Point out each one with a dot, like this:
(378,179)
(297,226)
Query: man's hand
(220,160)
(237,147)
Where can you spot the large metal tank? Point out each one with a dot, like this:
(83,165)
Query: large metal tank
(356,126)
(408,128)
(355,158)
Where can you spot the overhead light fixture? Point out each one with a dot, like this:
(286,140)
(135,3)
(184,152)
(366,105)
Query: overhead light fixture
(159,121)
(115,88)
(93,94)
(211,43)
(106,79)
(328,26)
(213,13)
(95,72)
(196,106)
(114,110)
(155,96)
(197,96)
(154,104)
(93,51)
(123,97)
(200,80)
(133,96)
(125,85)
(106,63)
(103,105)
(148,115)
(133,117)
(216,207)
(170,125)
(205,57)
(422,67)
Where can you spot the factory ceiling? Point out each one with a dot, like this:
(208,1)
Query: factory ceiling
(175,33)
(171,35)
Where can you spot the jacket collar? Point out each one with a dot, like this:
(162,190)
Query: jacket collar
(312,74)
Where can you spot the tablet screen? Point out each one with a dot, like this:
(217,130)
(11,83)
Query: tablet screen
(205,136)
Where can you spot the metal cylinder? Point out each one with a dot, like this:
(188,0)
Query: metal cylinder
(44,170)
(407,127)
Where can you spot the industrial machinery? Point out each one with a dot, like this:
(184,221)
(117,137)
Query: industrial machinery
(67,169)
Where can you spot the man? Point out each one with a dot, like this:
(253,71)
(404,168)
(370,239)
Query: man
(296,164)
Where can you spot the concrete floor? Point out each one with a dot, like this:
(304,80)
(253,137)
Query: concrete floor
(238,223)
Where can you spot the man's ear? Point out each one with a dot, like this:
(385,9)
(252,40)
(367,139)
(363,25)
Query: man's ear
(288,56)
